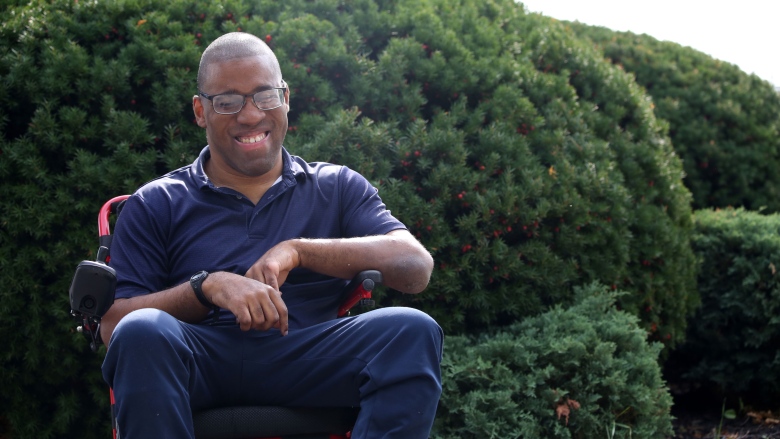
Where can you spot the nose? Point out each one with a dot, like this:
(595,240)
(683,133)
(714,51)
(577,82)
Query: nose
(250,114)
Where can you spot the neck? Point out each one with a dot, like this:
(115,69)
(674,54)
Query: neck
(252,187)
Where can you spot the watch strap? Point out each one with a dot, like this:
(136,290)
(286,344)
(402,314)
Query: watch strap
(196,282)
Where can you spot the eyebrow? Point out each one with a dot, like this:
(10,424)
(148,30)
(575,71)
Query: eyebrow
(255,90)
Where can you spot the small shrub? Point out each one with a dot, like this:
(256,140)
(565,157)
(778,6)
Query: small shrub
(734,338)
(572,372)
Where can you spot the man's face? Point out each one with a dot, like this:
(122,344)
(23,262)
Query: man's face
(248,143)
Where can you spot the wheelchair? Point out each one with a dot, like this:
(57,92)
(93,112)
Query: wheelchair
(92,294)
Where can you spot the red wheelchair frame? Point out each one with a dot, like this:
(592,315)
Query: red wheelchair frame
(94,282)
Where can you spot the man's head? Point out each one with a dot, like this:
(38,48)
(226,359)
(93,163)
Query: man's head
(232,46)
(247,143)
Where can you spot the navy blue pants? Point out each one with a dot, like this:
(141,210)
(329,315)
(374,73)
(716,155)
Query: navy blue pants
(386,361)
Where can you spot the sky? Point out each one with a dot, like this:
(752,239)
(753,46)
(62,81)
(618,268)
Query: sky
(742,32)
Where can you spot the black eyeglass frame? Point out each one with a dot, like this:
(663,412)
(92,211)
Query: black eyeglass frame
(283,88)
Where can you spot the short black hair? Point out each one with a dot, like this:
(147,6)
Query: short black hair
(231,46)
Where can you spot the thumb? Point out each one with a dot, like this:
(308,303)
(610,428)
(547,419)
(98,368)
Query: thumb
(271,274)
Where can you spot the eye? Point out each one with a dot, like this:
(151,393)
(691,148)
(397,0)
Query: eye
(267,98)
(227,102)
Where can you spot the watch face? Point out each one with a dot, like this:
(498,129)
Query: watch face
(197,277)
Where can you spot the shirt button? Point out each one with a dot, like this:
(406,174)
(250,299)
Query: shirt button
(238,197)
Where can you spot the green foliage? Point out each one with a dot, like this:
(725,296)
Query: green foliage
(734,338)
(526,163)
(590,358)
(724,123)
(507,173)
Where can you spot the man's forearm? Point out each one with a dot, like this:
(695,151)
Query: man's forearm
(179,301)
(405,264)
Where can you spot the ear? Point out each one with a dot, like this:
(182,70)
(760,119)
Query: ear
(197,108)
(287,98)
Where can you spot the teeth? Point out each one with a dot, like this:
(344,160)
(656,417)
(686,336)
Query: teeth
(251,139)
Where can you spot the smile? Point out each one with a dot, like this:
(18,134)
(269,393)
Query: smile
(253,139)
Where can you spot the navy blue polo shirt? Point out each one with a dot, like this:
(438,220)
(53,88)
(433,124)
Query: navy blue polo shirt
(180,223)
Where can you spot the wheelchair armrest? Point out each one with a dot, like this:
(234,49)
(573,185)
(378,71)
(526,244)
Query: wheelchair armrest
(359,289)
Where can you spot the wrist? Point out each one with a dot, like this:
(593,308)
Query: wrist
(297,249)
(196,282)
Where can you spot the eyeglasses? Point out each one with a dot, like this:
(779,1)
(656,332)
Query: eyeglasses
(232,103)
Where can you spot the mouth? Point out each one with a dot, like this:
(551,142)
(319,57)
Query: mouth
(251,139)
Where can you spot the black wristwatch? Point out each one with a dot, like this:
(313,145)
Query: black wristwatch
(196,281)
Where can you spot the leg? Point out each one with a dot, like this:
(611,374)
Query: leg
(156,364)
(403,386)
(387,361)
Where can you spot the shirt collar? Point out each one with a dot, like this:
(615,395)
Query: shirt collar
(291,169)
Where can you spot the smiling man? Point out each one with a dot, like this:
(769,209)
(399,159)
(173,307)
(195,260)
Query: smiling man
(230,272)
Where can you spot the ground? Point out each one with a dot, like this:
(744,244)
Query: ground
(699,415)
(705,426)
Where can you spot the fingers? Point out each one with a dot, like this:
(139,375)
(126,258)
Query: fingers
(274,266)
(256,272)
(264,310)
(271,275)
(281,309)
(255,304)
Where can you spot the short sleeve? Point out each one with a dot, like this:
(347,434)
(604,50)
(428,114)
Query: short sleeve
(362,211)
(138,251)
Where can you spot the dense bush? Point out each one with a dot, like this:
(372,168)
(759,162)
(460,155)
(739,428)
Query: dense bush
(734,338)
(724,123)
(522,160)
(576,372)
(501,166)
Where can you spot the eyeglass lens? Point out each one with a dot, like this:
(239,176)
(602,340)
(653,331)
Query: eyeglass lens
(233,103)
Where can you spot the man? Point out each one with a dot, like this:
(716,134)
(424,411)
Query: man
(229,272)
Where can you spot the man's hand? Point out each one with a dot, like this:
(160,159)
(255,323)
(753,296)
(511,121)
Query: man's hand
(255,304)
(274,266)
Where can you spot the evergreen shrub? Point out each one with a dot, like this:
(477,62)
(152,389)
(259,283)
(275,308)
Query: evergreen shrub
(578,372)
(531,166)
(521,159)
(723,122)
(734,337)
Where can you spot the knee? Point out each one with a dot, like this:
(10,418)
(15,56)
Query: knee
(144,330)
(411,326)
(417,321)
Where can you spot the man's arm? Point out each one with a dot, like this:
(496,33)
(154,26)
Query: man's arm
(255,304)
(256,300)
(405,264)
